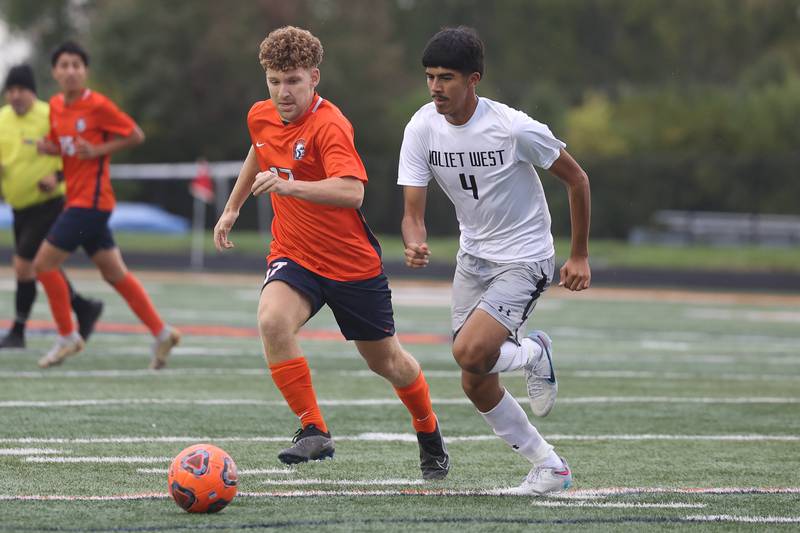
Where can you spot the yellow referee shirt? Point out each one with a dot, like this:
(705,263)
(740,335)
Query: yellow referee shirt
(22,166)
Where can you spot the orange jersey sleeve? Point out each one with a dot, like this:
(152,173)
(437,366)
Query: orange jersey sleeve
(112,119)
(334,242)
(339,156)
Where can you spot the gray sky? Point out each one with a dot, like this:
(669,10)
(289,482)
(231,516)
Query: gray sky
(13,49)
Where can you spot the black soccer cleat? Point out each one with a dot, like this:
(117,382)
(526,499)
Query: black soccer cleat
(433,458)
(310,444)
(88,316)
(13,339)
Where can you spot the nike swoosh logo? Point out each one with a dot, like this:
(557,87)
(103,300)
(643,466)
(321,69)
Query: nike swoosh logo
(259,145)
(552,378)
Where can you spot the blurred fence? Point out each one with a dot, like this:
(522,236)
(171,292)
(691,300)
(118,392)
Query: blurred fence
(626,191)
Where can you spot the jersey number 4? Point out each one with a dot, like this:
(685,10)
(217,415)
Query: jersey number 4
(471,186)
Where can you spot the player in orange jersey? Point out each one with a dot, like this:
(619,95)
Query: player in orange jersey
(85,129)
(322,252)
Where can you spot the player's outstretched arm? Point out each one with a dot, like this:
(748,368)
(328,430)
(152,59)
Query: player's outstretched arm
(413,227)
(575,275)
(240,192)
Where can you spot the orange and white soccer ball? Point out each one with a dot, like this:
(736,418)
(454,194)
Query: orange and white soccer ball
(202,479)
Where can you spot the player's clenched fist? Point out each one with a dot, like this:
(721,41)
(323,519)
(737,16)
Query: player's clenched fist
(575,275)
(417,255)
(267,182)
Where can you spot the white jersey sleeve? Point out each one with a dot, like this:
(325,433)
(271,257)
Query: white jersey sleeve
(413,169)
(534,143)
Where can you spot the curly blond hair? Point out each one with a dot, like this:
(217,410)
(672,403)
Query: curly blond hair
(289,48)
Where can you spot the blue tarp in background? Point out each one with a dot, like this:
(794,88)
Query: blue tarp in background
(128,216)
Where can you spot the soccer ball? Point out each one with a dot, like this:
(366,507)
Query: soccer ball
(202,479)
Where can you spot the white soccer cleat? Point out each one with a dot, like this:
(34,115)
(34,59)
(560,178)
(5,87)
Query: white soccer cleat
(542,480)
(163,346)
(540,376)
(63,348)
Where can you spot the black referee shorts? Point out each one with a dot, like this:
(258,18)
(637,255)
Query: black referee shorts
(32,224)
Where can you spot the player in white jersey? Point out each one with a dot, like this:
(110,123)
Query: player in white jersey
(482,154)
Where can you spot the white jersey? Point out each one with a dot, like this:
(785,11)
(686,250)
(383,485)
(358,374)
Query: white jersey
(486,169)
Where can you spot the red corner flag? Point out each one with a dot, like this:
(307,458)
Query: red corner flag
(202,187)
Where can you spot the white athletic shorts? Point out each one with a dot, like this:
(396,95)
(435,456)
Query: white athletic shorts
(507,291)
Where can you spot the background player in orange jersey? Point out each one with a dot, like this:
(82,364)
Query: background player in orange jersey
(322,252)
(29,184)
(85,129)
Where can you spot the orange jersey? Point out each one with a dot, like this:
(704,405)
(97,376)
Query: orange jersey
(334,242)
(94,118)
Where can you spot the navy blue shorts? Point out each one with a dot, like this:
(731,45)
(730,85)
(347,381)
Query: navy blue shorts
(78,226)
(363,309)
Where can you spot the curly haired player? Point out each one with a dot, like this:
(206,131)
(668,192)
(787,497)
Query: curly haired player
(303,156)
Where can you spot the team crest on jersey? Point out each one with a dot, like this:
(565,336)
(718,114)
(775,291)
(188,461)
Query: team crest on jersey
(80,125)
(299,149)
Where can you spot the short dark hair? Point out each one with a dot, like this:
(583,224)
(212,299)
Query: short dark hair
(455,48)
(69,47)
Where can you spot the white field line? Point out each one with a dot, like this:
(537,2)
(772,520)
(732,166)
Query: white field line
(640,358)
(675,399)
(125,349)
(417,492)
(677,342)
(395,437)
(636,374)
(445,374)
(591,494)
(620,505)
(670,346)
(182,314)
(745,519)
(706,359)
(610,374)
(113,459)
(380,402)
(29,451)
(242,471)
(626,336)
(366,482)
(88,498)
(167,372)
(790,317)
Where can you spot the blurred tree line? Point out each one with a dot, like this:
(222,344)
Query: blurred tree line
(680,104)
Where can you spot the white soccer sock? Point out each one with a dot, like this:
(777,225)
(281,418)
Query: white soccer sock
(551,461)
(164,333)
(513,356)
(510,423)
(70,337)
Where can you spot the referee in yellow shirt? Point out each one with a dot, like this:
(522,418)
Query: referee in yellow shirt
(30,183)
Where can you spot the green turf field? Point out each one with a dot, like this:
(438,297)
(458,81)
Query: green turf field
(605,253)
(676,411)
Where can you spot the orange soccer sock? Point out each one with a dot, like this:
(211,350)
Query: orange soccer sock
(140,303)
(417,399)
(58,296)
(293,378)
